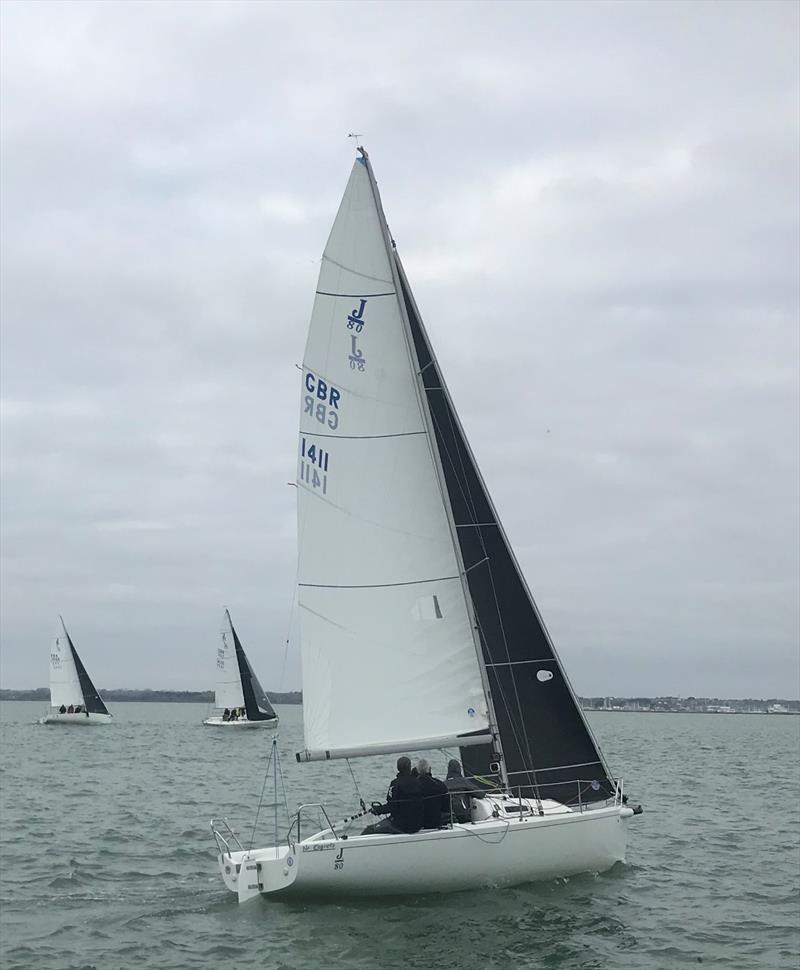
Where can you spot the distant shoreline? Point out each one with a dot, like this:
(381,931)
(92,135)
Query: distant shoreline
(148,696)
(614,705)
(620,710)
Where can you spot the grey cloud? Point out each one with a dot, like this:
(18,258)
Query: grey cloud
(597,205)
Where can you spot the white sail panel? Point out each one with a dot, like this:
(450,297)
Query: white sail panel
(65,687)
(387,647)
(228,688)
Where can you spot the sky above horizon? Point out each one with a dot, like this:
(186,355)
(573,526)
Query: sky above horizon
(598,209)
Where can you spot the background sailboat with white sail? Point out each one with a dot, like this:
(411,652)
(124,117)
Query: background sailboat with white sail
(417,628)
(238,691)
(73,697)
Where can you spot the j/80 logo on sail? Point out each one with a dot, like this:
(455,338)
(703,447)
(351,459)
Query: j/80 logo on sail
(322,401)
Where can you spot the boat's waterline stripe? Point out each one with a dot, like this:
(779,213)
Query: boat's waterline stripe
(390,747)
(412,582)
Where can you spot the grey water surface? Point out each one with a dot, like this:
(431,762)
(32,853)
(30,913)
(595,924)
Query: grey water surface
(107,859)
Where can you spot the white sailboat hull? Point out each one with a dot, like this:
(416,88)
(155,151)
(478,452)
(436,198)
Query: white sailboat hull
(80,720)
(240,724)
(488,854)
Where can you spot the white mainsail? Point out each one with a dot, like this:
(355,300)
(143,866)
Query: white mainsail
(228,688)
(65,686)
(389,659)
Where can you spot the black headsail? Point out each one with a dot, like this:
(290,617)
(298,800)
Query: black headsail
(256,704)
(92,701)
(547,747)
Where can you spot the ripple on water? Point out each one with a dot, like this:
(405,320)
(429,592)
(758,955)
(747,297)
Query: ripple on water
(108,862)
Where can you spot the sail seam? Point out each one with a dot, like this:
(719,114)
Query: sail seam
(355,272)
(355,296)
(411,582)
(359,437)
(514,663)
(582,764)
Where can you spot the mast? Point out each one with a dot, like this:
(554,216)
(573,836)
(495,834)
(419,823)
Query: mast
(401,286)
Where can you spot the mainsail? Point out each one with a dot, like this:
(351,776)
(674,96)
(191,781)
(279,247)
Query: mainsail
(389,662)
(417,626)
(237,685)
(70,684)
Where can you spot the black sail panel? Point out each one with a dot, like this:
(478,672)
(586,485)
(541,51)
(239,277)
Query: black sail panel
(92,701)
(256,705)
(547,746)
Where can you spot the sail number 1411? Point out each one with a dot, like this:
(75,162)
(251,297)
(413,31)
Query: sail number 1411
(314,465)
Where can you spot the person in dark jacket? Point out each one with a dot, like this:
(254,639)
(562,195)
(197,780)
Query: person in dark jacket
(436,801)
(404,804)
(462,790)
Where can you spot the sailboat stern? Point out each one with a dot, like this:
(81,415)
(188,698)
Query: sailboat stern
(258,872)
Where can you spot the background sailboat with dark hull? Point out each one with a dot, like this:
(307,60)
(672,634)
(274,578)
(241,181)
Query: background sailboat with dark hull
(408,589)
(73,697)
(238,690)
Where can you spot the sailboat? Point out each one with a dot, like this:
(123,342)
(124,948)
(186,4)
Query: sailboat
(73,697)
(417,628)
(239,699)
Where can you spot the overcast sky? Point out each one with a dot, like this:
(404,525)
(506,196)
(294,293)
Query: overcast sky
(597,206)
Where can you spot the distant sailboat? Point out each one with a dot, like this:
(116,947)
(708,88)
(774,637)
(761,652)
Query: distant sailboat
(239,699)
(73,697)
(417,628)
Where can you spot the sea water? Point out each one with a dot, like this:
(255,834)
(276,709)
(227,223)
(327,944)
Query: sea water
(108,862)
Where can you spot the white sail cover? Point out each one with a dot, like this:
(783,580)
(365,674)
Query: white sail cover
(228,688)
(65,687)
(389,659)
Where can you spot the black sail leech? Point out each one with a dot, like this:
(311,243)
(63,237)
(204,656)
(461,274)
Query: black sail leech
(256,704)
(548,749)
(92,701)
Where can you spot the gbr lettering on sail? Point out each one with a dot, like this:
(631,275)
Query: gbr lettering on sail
(322,401)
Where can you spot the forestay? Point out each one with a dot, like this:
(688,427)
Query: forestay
(388,652)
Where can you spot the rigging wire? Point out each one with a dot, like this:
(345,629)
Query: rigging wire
(355,785)
(261,797)
(283,787)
